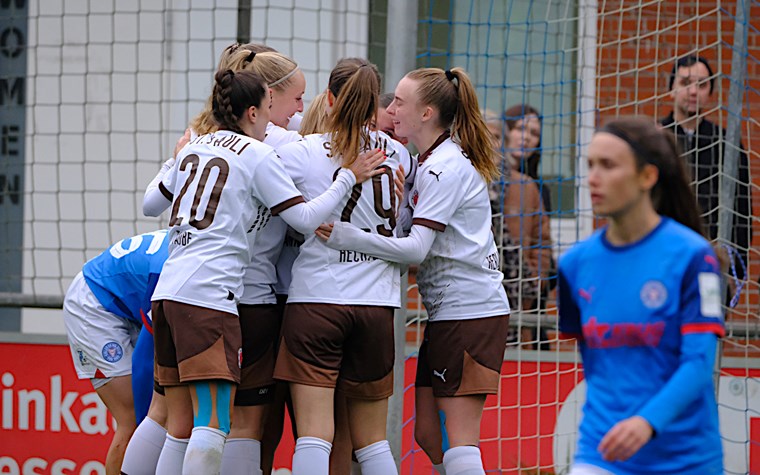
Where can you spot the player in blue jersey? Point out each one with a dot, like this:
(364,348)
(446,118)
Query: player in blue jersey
(105,311)
(643,298)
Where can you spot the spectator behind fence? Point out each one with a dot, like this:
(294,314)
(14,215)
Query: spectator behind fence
(522,232)
(703,146)
(524,125)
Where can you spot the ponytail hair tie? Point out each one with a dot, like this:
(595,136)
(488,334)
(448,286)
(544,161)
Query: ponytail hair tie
(250,57)
(453,79)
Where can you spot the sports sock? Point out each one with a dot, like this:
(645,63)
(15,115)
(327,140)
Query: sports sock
(172,456)
(312,456)
(204,452)
(377,459)
(464,460)
(241,456)
(141,456)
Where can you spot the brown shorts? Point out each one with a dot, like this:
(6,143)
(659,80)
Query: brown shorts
(260,327)
(195,343)
(348,347)
(462,357)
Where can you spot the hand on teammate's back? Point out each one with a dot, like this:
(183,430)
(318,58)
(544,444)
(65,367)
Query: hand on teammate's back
(182,142)
(365,166)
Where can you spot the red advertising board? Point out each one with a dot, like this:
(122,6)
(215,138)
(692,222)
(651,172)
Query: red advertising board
(52,423)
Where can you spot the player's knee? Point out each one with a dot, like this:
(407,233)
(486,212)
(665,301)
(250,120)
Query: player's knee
(427,439)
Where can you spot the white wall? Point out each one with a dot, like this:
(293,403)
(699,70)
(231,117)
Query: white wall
(112,85)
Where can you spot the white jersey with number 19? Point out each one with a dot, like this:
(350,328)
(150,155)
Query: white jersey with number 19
(324,275)
(222,187)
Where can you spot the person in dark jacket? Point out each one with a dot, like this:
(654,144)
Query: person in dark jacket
(702,144)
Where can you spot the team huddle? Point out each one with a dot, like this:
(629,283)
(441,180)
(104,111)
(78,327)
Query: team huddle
(276,283)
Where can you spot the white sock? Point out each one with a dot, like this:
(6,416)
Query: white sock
(242,456)
(356,469)
(204,452)
(439,468)
(463,460)
(141,456)
(312,456)
(377,459)
(172,455)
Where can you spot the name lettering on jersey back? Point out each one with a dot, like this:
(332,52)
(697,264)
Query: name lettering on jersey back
(492,261)
(230,142)
(618,335)
(383,144)
(182,239)
(353,256)
(292,241)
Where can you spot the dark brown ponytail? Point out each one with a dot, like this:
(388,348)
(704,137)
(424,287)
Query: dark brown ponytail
(233,94)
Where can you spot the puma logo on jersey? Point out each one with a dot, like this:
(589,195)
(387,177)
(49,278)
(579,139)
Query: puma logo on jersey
(441,375)
(436,175)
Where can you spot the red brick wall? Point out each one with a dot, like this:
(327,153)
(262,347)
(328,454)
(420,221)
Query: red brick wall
(637,46)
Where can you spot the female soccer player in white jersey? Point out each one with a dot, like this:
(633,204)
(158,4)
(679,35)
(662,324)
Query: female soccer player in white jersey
(260,316)
(338,326)
(219,190)
(459,279)
(643,297)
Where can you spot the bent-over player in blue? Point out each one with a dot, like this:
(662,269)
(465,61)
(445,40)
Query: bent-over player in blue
(643,297)
(107,317)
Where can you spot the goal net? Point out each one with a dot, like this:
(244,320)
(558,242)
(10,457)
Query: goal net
(95,94)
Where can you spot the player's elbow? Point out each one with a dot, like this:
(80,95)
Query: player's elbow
(152,206)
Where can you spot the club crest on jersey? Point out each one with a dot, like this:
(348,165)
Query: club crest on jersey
(112,352)
(415,198)
(653,294)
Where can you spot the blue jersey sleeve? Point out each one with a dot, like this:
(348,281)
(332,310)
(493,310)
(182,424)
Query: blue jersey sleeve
(701,295)
(569,313)
(694,374)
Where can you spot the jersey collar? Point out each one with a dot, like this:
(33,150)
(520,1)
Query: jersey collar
(441,138)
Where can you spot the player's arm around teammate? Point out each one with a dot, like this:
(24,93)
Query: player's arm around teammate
(458,278)
(260,317)
(643,298)
(196,325)
(338,325)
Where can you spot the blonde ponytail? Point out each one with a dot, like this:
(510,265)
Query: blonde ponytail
(355,83)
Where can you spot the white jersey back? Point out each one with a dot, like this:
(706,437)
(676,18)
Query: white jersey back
(460,277)
(325,275)
(265,246)
(222,187)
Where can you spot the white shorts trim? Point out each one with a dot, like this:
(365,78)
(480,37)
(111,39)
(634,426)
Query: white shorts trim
(97,338)
(588,469)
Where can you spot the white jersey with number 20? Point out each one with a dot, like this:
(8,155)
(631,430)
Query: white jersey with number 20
(222,187)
